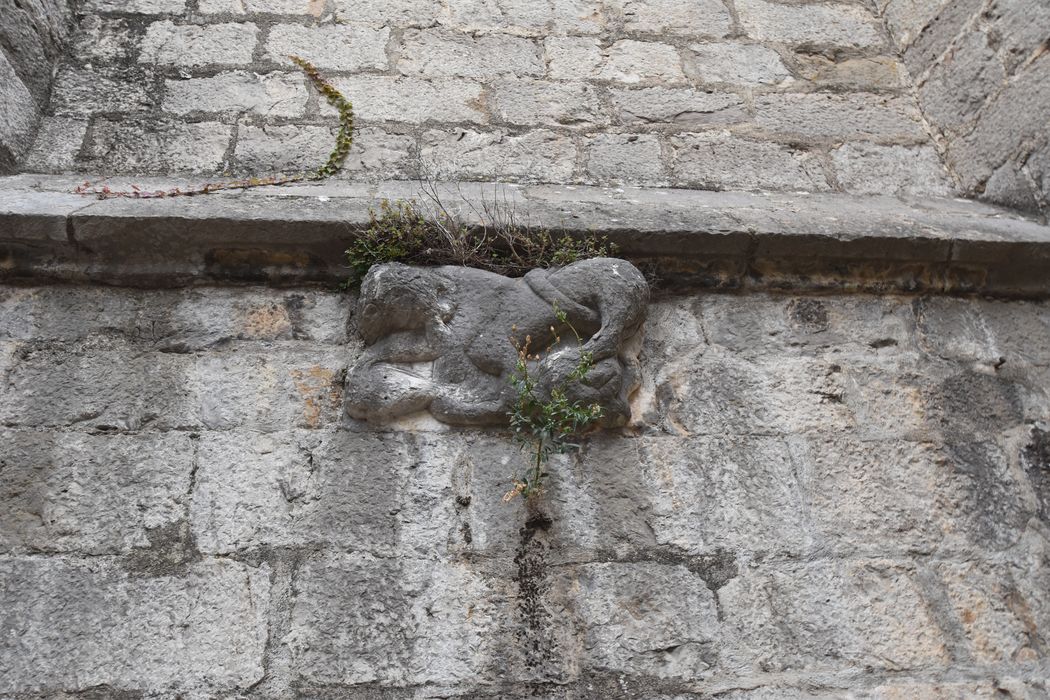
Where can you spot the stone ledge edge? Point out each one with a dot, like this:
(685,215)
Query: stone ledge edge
(683,238)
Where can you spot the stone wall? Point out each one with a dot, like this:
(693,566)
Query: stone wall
(714,94)
(32,38)
(982,69)
(818,493)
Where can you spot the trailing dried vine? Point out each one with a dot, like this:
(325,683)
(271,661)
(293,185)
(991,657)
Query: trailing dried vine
(343,141)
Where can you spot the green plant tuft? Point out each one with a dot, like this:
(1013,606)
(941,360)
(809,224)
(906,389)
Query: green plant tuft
(547,425)
(402,231)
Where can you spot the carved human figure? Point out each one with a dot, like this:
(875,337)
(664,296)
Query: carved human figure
(440,339)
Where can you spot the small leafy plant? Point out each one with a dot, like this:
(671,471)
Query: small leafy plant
(547,425)
(403,231)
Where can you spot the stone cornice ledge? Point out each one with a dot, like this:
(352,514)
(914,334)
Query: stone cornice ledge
(729,240)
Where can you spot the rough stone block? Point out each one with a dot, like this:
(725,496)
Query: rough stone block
(445,54)
(704,17)
(646,619)
(828,615)
(1001,606)
(858,116)
(1003,127)
(167,43)
(82,92)
(380,98)
(528,18)
(817,25)
(91,494)
(871,73)
(106,41)
(300,489)
(681,106)
(336,47)
(174,321)
(1022,27)
(85,624)
(18,118)
(720,161)
(105,389)
(283,148)
(307,8)
(907,18)
(630,61)
(869,169)
(627,158)
(268,391)
(939,34)
(360,619)
(270,95)
(735,64)
(392,13)
(34,35)
(704,496)
(140,7)
(382,155)
(155,146)
(57,144)
(531,102)
(572,57)
(543,156)
(959,85)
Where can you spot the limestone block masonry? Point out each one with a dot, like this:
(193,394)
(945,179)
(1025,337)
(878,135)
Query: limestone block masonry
(709,94)
(816,496)
(982,72)
(32,38)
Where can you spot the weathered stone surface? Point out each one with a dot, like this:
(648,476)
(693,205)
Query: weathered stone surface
(81,93)
(572,57)
(736,64)
(720,161)
(57,144)
(18,119)
(151,145)
(957,87)
(630,61)
(449,319)
(680,106)
(625,158)
(143,7)
(82,624)
(412,100)
(444,54)
(865,117)
(819,25)
(871,169)
(705,17)
(90,494)
(543,156)
(540,102)
(333,46)
(167,43)
(308,8)
(270,95)
(867,74)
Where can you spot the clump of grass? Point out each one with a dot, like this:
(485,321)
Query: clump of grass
(403,231)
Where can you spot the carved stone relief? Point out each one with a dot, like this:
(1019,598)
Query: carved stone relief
(440,339)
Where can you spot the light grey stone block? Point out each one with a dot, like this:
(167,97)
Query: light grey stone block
(56,146)
(268,95)
(141,7)
(631,61)
(869,169)
(532,102)
(718,160)
(19,117)
(736,64)
(336,47)
(447,54)
(155,145)
(90,494)
(859,116)
(821,25)
(380,98)
(681,106)
(625,158)
(82,93)
(167,43)
(542,155)
(85,623)
(705,17)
